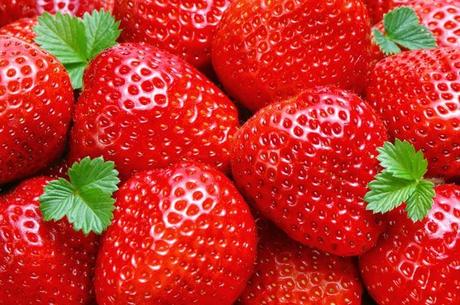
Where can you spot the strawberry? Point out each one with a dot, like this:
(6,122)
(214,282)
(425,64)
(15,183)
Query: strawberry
(305,163)
(22,29)
(416,263)
(416,260)
(416,94)
(180,235)
(288,273)
(41,262)
(35,109)
(184,28)
(11,10)
(142,107)
(266,51)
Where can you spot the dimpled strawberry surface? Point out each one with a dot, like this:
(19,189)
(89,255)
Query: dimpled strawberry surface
(229,152)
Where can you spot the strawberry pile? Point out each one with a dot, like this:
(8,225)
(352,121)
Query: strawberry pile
(217,152)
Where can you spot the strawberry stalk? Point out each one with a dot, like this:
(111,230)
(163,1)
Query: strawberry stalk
(401,181)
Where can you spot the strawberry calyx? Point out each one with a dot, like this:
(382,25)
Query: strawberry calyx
(402,30)
(401,181)
(76,41)
(86,198)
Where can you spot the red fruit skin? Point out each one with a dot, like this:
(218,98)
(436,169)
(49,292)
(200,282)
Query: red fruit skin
(442,17)
(22,29)
(305,164)
(36,101)
(41,262)
(184,28)
(288,273)
(145,108)
(378,8)
(417,95)
(73,7)
(181,236)
(12,10)
(267,51)
(417,263)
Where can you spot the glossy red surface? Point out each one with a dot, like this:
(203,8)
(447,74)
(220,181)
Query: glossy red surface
(41,262)
(144,108)
(181,236)
(288,273)
(22,29)
(417,94)
(305,164)
(181,27)
(266,51)
(12,10)
(36,101)
(418,263)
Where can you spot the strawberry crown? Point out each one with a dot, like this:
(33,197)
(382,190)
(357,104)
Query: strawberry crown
(401,181)
(403,31)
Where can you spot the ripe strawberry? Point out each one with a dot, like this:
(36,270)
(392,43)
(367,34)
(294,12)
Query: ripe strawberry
(144,108)
(266,51)
(184,28)
(22,29)
(288,273)
(305,164)
(12,10)
(417,95)
(417,263)
(35,109)
(41,262)
(181,235)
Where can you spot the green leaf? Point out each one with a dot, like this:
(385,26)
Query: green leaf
(403,30)
(86,198)
(62,36)
(401,181)
(388,192)
(97,39)
(75,42)
(387,46)
(402,160)
(420,203)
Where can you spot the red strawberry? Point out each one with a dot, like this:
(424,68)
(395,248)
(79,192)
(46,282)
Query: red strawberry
(41,262)
(181,235)
(22,29)
(305,164)
(35,109)
(288,273)
(417,263)
(417,95)
(184,28)
(11,10)
(73,7)
(266,51)
(144,108)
